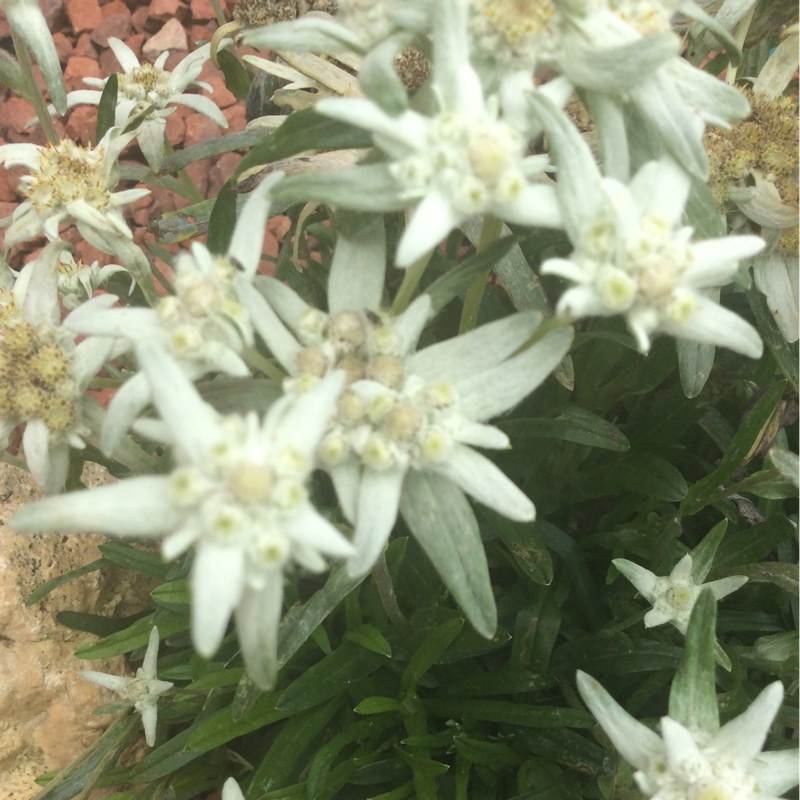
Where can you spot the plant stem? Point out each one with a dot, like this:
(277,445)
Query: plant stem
(410,282)
(35,94)
(492,228)
(383,583)
(218,12)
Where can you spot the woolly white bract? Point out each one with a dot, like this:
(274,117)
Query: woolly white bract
(237,494)
(684,764)
(141,691)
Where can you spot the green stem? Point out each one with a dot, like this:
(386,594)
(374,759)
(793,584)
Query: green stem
(218,12)
(267,367)
(409,285)
(492,228)
(191,192)
(34,92)
(741,35)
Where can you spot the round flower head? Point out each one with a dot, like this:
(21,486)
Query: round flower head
(67,184)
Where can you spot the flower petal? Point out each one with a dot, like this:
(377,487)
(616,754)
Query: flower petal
(641,578)
(257,619)
(636,743)
(430,223)
(312,529)
(715,260)
(139,506)
(217,579)
(481,479)
(378,501)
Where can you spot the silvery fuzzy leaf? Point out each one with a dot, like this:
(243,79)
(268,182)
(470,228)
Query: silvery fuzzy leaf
(776,275)
(762,204)
(779,69)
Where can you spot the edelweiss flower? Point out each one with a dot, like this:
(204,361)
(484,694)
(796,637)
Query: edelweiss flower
(71,184)
(405,427)
(631,259)
(27,21)
(77,281)
(673,597)
(627,59)
(470,158)
(237,493)
(684,764)
(144,85)
(204,325)
(43,373)
(142,691)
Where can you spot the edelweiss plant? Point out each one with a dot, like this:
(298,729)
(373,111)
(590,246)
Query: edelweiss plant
(381,478)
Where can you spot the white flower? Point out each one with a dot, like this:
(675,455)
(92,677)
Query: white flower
(43,373)
(71,184)
(630,258)
(673,597)
(231,790)
(204,325)
(27,21)
(626,59)
(142,691)
(77,281)
(469,158)
(149,85)
(684,764)
(237,494)
(405,412)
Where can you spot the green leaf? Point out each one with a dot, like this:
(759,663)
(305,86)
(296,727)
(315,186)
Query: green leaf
(526,716)
(174,595)
(329,677)
(433,645)
(525,545)
(703,554)
(177,226)
(220,727)
(237,78)
(279,766)
(785,354)
(303,130)
(751,545)
(48,586)
(135,635)
(572,424)
(645,473)
(222,221)
(107,107)
(495,755)
(299,622)
(91,623)
(125,555)
(213,147)
(775,572)
(371,638)
(378,705)
(741,449)
(693,696)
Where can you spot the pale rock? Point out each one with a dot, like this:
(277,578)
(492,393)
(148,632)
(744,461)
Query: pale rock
(171,37)
(46,709)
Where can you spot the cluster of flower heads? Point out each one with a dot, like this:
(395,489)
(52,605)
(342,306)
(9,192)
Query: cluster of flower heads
(395,426)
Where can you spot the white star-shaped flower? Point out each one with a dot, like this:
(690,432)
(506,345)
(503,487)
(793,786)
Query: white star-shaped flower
(237,494)
(143,84)
(204,325)
(470,156)
(632,258)
(142,691)
(673,597)
(684,764)
(407,424)
(71,184)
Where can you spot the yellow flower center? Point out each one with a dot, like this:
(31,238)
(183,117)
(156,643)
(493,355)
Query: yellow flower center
(69,172)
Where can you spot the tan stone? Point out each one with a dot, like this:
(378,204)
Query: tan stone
(171,37)
(46,715)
